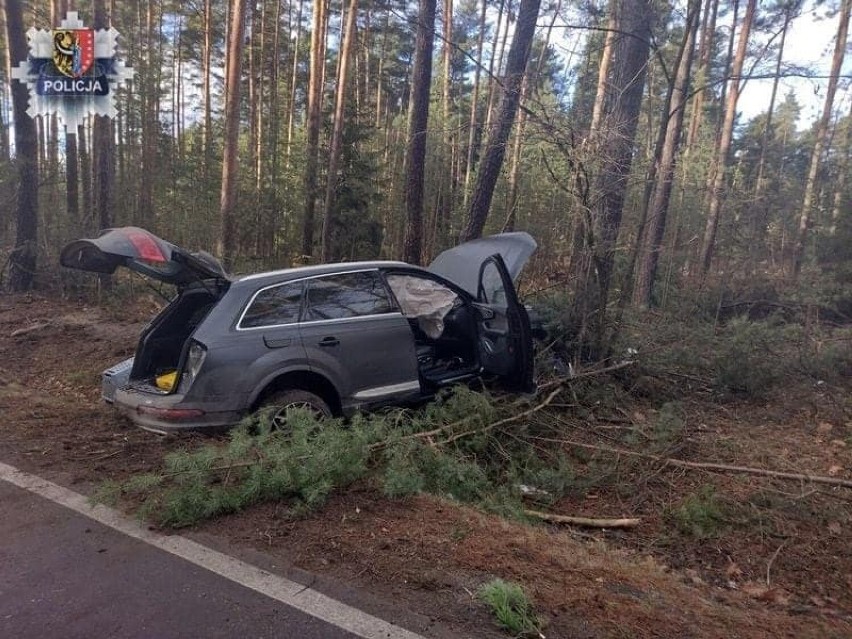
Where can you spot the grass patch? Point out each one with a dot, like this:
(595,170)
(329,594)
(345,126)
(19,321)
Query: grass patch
(701,515)
(511,608)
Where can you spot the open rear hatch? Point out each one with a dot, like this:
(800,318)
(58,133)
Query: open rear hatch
(165,345)
(143,252)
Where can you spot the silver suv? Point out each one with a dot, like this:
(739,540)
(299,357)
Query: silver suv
(334,338)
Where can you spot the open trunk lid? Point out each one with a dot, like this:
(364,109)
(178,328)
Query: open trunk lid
(143,252)
(461,264)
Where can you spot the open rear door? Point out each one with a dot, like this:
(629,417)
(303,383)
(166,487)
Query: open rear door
(143,252)
(505,339)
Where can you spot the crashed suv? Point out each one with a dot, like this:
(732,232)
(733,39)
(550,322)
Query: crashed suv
(334,338)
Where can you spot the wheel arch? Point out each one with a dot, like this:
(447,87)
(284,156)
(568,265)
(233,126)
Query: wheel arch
(303,380)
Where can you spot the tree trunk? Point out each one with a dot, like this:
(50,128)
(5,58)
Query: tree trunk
(328,234)
(103,145)
(315,94)
(821,138)
(474,106)
(529,85)
(837,207)
(652,237)
(84,152)
(22,262)
(291,98)
(603,69)
(497,69)
(515,168)
(708,33)
(720,161)
(227,228)
(207,76)
(72,179)
(495,149)
(150,122)
(103,149)
(418,117)
(761,207)
(448,182)
(622,108)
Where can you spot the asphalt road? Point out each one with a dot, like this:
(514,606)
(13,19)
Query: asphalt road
(64,575)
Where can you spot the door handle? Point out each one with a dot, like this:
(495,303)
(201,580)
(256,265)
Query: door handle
(329,341)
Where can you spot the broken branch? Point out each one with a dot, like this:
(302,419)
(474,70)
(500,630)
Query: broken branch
(588,522)
(30,329)
(681,463)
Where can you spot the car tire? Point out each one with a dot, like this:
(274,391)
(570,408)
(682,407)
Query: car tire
(277,404)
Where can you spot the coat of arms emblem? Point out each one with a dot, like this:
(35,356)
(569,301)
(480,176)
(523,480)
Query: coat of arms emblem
(73,51)
(70,71)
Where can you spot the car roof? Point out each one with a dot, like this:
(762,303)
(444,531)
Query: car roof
(283,275)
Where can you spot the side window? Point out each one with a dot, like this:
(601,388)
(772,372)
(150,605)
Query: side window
(491,289)
(274,306)
(347,295)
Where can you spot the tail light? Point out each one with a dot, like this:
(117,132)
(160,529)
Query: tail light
(194,359)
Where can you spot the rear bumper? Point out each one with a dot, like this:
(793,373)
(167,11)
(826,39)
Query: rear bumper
(171,413)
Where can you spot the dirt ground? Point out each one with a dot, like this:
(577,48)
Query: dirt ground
(780,567)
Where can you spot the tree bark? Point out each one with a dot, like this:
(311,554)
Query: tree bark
(842,169)
(622,107)
(448,182)
(418,117)
(821,138)
(603,69)
(328,235)
(315,94)
(655,226)
(474,106)
(291,98)
(495,149)
(103,143)
(72,178)
(207,76)
(720,161)
(84,153)
(227,228)
(150,122)
(708,33)
(22,262)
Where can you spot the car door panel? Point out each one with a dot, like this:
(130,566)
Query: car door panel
(267,341)
(505,338)
(352,333)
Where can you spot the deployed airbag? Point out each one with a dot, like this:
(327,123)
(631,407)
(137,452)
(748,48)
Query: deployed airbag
(426,300)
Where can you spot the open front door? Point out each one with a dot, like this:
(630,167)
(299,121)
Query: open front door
(505,339)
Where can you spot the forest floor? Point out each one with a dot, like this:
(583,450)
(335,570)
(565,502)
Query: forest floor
(715,555)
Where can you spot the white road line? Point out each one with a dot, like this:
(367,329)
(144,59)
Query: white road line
(288,592)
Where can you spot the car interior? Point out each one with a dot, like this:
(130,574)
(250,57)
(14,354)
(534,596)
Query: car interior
(443,325)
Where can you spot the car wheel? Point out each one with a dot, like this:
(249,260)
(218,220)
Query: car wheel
(277,405)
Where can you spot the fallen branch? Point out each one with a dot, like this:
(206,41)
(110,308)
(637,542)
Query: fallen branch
(507,420)
(588,522)
(448,427)
(670,461)
(30,329)
(589,373)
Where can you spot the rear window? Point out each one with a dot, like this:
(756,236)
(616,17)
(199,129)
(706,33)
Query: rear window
(274,306)
(347,295)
